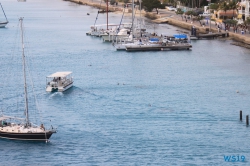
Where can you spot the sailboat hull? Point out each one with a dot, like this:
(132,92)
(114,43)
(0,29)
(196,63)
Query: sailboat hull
(3,24)
(27,136)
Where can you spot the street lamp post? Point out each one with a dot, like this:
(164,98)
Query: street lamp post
(140,19)
(133,19)
(210,16)
(107,14)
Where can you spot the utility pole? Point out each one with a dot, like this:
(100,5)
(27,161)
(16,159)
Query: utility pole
(107,14)
(133,19)
(210,16)
(140,19)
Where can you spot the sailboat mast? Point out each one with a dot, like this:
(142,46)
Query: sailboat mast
(107,14)
(133,19)
(24,75)
(140,20)
(4,13)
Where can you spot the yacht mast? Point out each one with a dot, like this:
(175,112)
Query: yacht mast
(107,14)
(24,76)
(140,20)
(133,20)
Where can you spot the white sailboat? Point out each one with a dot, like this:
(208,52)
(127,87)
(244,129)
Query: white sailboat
(21,128)
(122,42)
(3,23)
(113,36)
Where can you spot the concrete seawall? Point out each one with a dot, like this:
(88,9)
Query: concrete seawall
(234,36)
(200,29)
(184,25)
(240,38)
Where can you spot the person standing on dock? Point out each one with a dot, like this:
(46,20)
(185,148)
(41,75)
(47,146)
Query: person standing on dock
(218,28)
(242,31)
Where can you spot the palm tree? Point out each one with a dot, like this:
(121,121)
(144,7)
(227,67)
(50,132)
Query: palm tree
(232,5)
(199,18)
(224,7)
(214,6)
(184,2)
(179,12)
(231,22)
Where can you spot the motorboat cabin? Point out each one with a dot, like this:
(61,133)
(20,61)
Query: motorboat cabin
(59,82)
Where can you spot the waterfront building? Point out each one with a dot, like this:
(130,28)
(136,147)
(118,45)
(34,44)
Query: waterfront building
(243,10)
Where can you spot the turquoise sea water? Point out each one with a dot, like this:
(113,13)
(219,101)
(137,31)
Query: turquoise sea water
(143,108)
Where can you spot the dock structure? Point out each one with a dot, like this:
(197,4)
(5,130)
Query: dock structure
(165,47)
(209,35)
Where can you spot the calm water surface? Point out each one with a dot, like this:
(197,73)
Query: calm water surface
(143,108)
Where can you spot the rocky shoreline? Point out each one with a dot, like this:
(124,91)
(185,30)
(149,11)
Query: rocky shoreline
(241,44)
(244,40)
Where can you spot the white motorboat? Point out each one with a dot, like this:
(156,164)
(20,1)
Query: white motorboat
(3,23)
(59,81)
(116,36)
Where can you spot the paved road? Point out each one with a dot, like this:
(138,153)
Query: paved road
(164,13)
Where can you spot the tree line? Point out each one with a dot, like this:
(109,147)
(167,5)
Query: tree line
(150,5)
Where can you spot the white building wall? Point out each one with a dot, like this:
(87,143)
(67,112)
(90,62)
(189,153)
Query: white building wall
(247,9)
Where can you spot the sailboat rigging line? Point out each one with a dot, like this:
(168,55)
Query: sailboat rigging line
(31,80)
(24,76)
(97,14)
(28,65)
(10,67)
(4,13)
(34,94)
(132,26)
(119,26)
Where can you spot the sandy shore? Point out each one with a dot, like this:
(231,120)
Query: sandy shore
(173,21)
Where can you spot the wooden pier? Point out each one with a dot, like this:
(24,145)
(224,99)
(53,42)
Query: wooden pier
(178,46)
(209,35)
